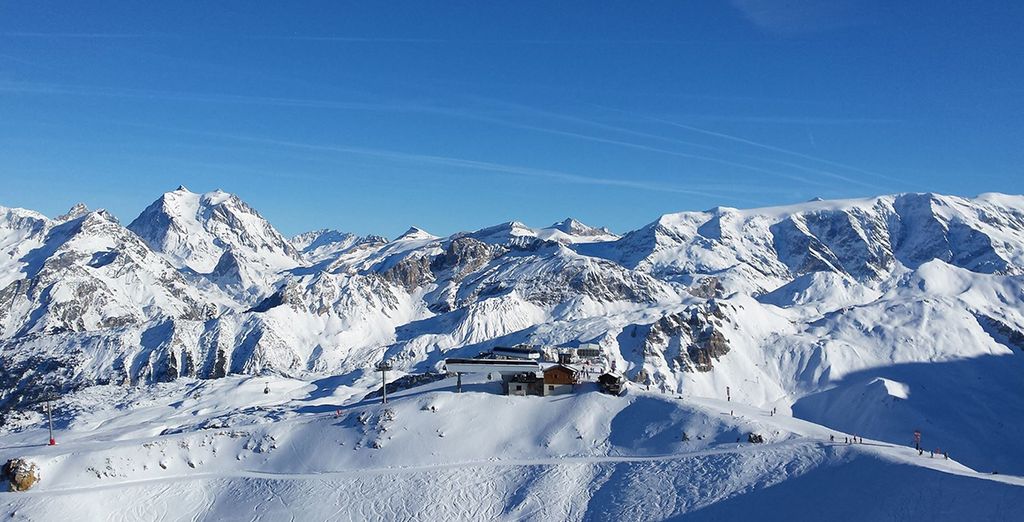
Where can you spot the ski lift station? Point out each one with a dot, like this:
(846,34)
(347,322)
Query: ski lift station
(516,352)
(520,377)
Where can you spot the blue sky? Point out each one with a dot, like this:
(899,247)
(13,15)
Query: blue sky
(373,116)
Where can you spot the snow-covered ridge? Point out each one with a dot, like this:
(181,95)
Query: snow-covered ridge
(864,238)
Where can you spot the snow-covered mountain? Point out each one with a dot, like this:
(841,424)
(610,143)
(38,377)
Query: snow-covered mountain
(85,272)
(218,235)
(834,309)
(761,249)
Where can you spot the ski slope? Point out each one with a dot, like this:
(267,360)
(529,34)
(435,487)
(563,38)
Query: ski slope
(225,450)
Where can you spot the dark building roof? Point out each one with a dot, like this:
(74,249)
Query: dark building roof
(571,370)
(525,377)
(490,362)
(514,349)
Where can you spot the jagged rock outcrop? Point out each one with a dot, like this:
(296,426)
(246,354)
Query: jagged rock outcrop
(21,474)
(410,273)
(708,287)
(1002,332)
(691,340)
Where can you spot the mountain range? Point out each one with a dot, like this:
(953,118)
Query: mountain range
(877,316)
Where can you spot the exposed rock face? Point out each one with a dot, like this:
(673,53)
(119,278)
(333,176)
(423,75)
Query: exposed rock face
(707,287)
(755,438)
(21,474)
(1001,331)
(689,339)
(410,273)
(464,255)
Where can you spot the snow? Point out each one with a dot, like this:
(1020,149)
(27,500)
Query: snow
(21,231)
(214,449)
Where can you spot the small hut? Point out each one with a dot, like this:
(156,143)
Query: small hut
(610,383)
(560,379)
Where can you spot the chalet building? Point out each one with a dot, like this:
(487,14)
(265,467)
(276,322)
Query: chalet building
(560,379)
(610,383)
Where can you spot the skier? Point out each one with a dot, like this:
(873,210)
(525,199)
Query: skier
(831,438)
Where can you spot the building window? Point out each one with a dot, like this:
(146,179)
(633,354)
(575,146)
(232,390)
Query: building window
(519,388)
(551,388)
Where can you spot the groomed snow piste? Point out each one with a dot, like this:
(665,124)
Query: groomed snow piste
(225,450)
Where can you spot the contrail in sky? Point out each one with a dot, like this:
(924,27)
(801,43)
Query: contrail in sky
(462,163)
(764,146)
(79,35)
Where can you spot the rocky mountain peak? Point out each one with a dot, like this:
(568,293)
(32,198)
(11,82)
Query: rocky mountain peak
(77,211)
(576,227)
(195,230)
(415,233)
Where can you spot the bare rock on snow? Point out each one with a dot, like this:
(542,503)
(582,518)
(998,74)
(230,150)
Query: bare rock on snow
(21,474)
(694,331)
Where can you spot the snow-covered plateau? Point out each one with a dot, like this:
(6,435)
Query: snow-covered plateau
(204,366)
